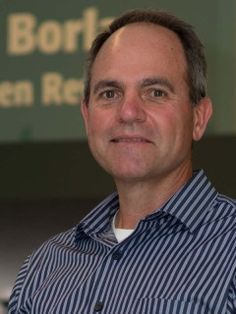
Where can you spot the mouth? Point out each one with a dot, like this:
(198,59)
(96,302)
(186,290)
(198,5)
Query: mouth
(130,139)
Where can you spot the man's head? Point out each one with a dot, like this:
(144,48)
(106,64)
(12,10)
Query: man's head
(192,46)
(139,115)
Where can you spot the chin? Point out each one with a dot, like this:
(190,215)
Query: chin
(129,175)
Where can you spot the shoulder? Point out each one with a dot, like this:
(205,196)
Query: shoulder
(39,264)
(53,245)
(224,200)
(50,250)
(223,209)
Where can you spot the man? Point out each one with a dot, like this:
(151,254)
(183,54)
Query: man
(165,242)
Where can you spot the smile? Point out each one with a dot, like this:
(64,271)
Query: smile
(130,140)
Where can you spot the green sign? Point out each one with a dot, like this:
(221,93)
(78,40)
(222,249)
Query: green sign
(43,47)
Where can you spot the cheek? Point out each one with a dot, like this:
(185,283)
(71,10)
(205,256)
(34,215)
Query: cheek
(176,126)
(97,126)
(164,121)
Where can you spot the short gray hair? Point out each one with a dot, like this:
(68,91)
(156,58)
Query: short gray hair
(193,48)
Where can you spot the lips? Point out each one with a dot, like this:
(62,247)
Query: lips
(130,139)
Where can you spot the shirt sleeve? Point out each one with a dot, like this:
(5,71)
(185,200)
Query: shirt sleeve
(14,302)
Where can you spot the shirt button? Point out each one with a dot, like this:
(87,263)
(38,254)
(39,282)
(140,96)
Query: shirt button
(117,255)
(98,306)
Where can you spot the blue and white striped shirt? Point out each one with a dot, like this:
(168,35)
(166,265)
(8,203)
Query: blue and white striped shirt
(180,259)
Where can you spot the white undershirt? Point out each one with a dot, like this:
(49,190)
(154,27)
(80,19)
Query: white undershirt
(120,233)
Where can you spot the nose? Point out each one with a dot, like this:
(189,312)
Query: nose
(132,109)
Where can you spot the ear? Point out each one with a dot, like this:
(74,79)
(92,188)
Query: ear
(202,113)
(84,111)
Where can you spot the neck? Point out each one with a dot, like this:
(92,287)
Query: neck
(140,198)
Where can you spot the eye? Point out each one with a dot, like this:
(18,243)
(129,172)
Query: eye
(109,94)
(155,93)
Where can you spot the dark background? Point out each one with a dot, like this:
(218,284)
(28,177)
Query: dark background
(46,188)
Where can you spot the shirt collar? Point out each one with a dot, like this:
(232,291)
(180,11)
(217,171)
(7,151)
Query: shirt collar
(191,203)
(99,219)
(188,205)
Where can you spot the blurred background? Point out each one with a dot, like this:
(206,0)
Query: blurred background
(48,179)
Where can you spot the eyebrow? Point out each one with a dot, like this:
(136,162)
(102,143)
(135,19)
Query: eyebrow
(158,81)
(144,83)
(106,83)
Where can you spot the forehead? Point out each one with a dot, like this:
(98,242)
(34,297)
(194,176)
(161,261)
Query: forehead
(143,46)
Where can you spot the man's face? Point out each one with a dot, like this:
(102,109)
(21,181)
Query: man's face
(139,119)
